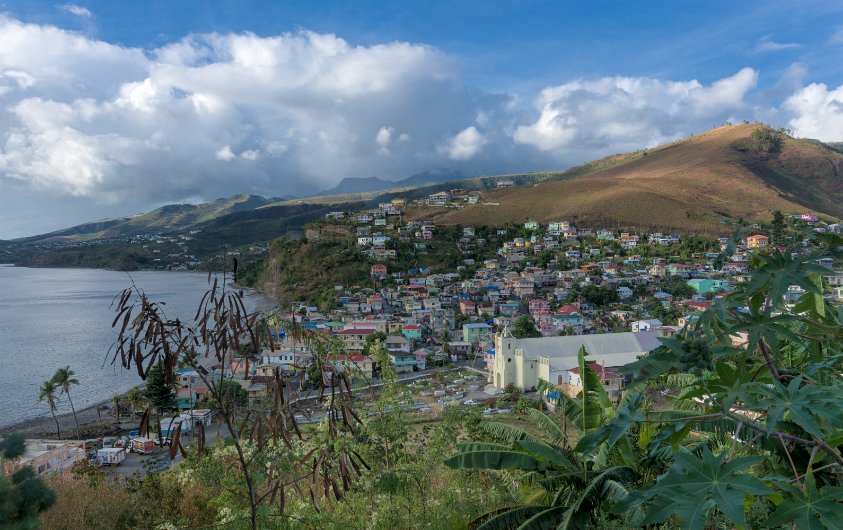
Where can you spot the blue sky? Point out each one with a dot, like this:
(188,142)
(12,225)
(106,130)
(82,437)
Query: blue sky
(110,108)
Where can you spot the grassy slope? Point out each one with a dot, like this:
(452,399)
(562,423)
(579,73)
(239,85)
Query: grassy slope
(687,185)
(180,216)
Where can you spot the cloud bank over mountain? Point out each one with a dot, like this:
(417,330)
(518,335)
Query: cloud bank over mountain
(216,114)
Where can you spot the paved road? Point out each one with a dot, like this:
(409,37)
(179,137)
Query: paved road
(140,465)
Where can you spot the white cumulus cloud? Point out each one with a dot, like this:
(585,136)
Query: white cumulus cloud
(619,112)
(465,144)
(817,112)
(221,113)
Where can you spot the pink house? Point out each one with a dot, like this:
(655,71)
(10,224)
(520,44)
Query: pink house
(379,270)
(537,306)
(467,307)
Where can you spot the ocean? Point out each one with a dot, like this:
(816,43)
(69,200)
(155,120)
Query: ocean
(51,318)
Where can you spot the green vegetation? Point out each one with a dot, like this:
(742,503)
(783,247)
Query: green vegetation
(300,270)
(63,379)
(752,438)
(48,392)
(233,394)
(524,327)
(305,270)
(23,496)
(748,436)
(766,140)
(598,295)
(159,391)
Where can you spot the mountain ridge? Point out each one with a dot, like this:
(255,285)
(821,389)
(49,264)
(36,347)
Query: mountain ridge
(694,184)
(351,185)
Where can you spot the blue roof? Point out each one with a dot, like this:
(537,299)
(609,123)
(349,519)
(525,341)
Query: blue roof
(476,325)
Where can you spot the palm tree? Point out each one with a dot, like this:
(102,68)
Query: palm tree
(135,399)
(64,378)
(48,392)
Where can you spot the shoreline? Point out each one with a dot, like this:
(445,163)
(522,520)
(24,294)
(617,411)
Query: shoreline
(99,417)
(45,427)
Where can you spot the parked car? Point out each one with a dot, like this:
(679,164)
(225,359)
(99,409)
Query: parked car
(471,402)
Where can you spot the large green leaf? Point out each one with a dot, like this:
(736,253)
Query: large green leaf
(629,412)
(760,325)
(814,509)
(507,432)
(693,486)
(496,459)
(555,434)
(604,486)
(723,388)
(542,451)
(779,271)
(593,398)
(806,405)
(512,518)
(544,520)
(657,362)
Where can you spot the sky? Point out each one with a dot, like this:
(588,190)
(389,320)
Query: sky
(112,108)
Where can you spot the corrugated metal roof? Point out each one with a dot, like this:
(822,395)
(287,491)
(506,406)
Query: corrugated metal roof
(608,349)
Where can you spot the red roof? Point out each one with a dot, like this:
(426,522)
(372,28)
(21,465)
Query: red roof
(360,331)
(411,326)
(603,372)
(696,304)
(568,309)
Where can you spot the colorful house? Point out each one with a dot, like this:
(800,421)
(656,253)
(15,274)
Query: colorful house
(476,333)
(757,241)
(412,332)
(378,270)
(705,286)
(402,362)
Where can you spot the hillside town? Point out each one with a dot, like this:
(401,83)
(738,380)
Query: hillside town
(521,313)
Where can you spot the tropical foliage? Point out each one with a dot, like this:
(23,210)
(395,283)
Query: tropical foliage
(752,439)
(23,495)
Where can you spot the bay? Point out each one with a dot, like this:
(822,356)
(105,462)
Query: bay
(51,318)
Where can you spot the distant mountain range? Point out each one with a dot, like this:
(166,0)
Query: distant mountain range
(692,185)
(369,184)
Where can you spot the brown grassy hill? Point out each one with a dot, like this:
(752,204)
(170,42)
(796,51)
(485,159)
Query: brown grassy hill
(691,185)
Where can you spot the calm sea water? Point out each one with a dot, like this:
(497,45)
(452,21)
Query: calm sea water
(50,318)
